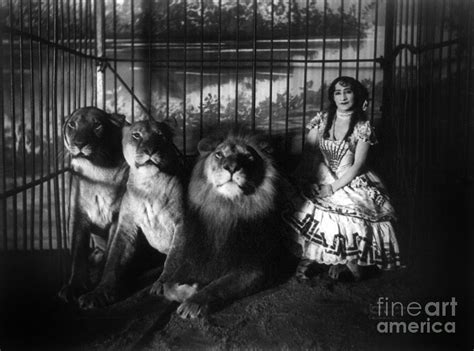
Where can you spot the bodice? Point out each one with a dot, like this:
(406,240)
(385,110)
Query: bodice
(338,155)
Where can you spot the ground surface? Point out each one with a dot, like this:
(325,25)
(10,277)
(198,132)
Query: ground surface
(321,315)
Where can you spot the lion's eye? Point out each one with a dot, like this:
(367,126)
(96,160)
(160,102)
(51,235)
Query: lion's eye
(218,155)
(72,124)
(136,135)
(98,127)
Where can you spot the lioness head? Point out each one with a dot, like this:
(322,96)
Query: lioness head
(148,147)
(92,134)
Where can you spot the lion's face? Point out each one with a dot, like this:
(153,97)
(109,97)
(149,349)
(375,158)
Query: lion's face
(91,133)
(147,146)
(234,168)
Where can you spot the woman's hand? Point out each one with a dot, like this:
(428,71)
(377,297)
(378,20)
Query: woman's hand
(326,190)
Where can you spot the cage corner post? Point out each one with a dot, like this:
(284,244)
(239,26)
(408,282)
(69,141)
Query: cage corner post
(100,52)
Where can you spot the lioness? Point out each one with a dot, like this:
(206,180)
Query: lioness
(153,204)
(93,138)
(231,226)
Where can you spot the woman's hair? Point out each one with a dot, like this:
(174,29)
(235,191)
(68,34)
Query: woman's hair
(361,96)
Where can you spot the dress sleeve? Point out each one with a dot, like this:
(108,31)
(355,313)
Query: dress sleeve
(365,132)
(317,121)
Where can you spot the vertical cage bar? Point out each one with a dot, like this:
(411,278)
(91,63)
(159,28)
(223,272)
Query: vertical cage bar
(254,62)
(3,219)
(81,60)
(270,107)
(62,111)
(185,73)
(13,114)
(201,72)
(114,26)
(359,14)
(48,124)
(237,58)
(23,129)
(305,75)
(57,208)
(33,127)
(168,58)
(132,73)
(219,63)
(150,56)
(41,121)
(374,64)
(341,37)
(100,51)
(288,67)
(323,64)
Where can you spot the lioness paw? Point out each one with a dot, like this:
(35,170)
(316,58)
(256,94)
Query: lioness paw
(191,310)
(97,298)
(70,292)
(157,288)
(179,292)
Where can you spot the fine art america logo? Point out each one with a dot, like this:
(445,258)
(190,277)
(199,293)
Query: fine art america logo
(414,317)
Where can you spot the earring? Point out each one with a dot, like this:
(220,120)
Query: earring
(365,105)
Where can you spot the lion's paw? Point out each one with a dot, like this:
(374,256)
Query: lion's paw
(99,297)
(70,292)
(179,292)
(191,310)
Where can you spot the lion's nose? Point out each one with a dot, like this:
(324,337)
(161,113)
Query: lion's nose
(231,167)
(80,144)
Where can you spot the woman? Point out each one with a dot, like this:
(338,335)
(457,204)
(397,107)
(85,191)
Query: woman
(342,217)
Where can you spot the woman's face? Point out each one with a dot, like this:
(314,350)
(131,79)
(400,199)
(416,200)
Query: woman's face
(344,97)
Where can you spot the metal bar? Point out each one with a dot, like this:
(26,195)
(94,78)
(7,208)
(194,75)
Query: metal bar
(132,33)
(41,121)
(237,63)
(305,76)
(341,35)
(48,124)
(114,24)
(270,108)
(100,49)
(219,63)
(17,190)
(3,219)
(388,67)
(62,112)
(57,208)
(288,66)
(150,55)
(33,129)
(80,73)
(184,75)
(47,42)
(13,114)
(23,131)
(374,66)
(323,63)
(254,63)
(359,14)
(201,86)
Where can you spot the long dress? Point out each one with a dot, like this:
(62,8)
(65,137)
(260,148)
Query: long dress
(355,223)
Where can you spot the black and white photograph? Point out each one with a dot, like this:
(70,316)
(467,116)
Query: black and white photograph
(236,175)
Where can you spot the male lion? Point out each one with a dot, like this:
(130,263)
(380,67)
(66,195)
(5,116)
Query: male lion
(153,204)
(93,138)
(231,231)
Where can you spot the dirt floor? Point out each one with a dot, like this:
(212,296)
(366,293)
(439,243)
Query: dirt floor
(320,315)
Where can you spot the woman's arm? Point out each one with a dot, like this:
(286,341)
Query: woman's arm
(360,157)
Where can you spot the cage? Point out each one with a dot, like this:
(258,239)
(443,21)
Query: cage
(266,64)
